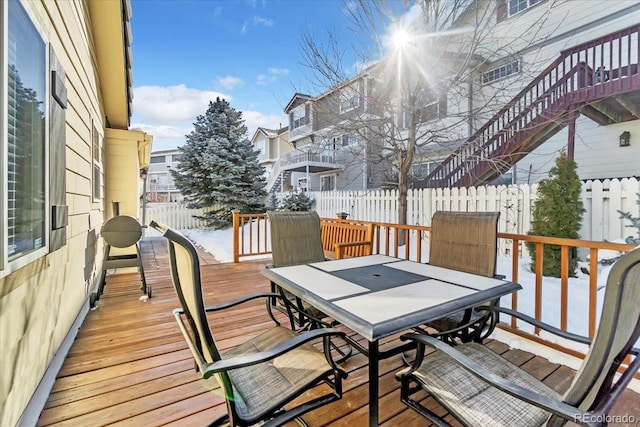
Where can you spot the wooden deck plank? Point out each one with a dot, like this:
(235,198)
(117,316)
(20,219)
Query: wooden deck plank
(130,366)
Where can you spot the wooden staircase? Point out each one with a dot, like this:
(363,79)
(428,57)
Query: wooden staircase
(598,79)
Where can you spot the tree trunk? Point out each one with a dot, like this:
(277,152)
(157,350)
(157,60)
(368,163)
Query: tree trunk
(405,161)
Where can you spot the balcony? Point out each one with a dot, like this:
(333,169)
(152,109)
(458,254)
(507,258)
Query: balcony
(129,362)
(315,160)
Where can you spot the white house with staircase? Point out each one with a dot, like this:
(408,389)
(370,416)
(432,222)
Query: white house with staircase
(547,76)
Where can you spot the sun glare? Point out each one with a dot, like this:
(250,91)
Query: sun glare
(400,38)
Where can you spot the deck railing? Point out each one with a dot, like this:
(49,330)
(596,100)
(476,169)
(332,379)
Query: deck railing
(251,238)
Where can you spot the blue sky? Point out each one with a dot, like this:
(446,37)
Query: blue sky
(185,53)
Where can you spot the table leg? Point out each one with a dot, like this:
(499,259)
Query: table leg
(373,384)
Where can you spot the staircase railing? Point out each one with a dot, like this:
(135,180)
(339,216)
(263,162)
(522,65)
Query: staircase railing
(274,175)
(589,71)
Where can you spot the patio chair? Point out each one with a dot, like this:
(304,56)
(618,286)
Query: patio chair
(465,241)
(480,388)
(296,239)
(264,374)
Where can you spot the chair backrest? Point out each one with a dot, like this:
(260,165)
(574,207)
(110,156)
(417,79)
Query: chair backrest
(295,238)
(465,241)
(617,333)
(185,274)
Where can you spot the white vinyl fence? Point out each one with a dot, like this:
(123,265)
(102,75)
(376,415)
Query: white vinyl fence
(174,215)
(601,220)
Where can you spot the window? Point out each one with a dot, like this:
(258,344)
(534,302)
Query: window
(517,6)
(97,172)
(296,119)
(421,170)
(349,140)
(429,106)
(261,147)
(349,100)
(157,159)
(302,184)
(176,157)
(328,183)
(501,72)
(24,78)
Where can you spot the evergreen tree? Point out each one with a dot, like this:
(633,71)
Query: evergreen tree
(635,223)
(219,167)
(296,202)
(558,213)
(273,204)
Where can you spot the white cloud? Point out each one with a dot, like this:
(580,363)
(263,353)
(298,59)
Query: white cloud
(164,137)
(263,80)
(271,76)
(256,21)
(279,71)
(255,119)
(171,104)
(260,21)
(229,82)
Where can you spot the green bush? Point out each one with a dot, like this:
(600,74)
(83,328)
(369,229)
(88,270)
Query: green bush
(273,204)
(557,213)
(296,202)
(635,223)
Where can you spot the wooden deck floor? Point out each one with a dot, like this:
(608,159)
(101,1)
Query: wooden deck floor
(130,366)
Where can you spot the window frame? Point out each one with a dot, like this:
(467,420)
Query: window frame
(7,267)
(516,68)
(351,140)
(163,160)
(332,178)
(529,5)
(427,101)
(349,100)
(96,163)
(430,166)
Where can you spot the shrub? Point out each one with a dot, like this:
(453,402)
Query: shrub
(557,213)
(635,223)
(296,202)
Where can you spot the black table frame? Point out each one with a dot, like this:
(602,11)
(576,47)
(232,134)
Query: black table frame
(402,323)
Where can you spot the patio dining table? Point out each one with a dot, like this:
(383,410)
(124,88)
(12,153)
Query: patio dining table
(378,295)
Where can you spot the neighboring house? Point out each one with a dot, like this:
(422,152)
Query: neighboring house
(69,161)
(325,155)
(272,144)
(160,184)
(568,81)
(536,88)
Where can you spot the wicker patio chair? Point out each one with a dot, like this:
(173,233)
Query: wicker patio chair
(465,241)
(480,388)
(264,374)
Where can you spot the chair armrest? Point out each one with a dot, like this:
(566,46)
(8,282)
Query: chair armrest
(340,247)
(263,356)
(349,244)
(554,406)
(240,301)
(559,332)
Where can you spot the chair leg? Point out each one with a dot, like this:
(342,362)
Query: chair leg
(145,289)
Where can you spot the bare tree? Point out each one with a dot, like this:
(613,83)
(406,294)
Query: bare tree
(416,89)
